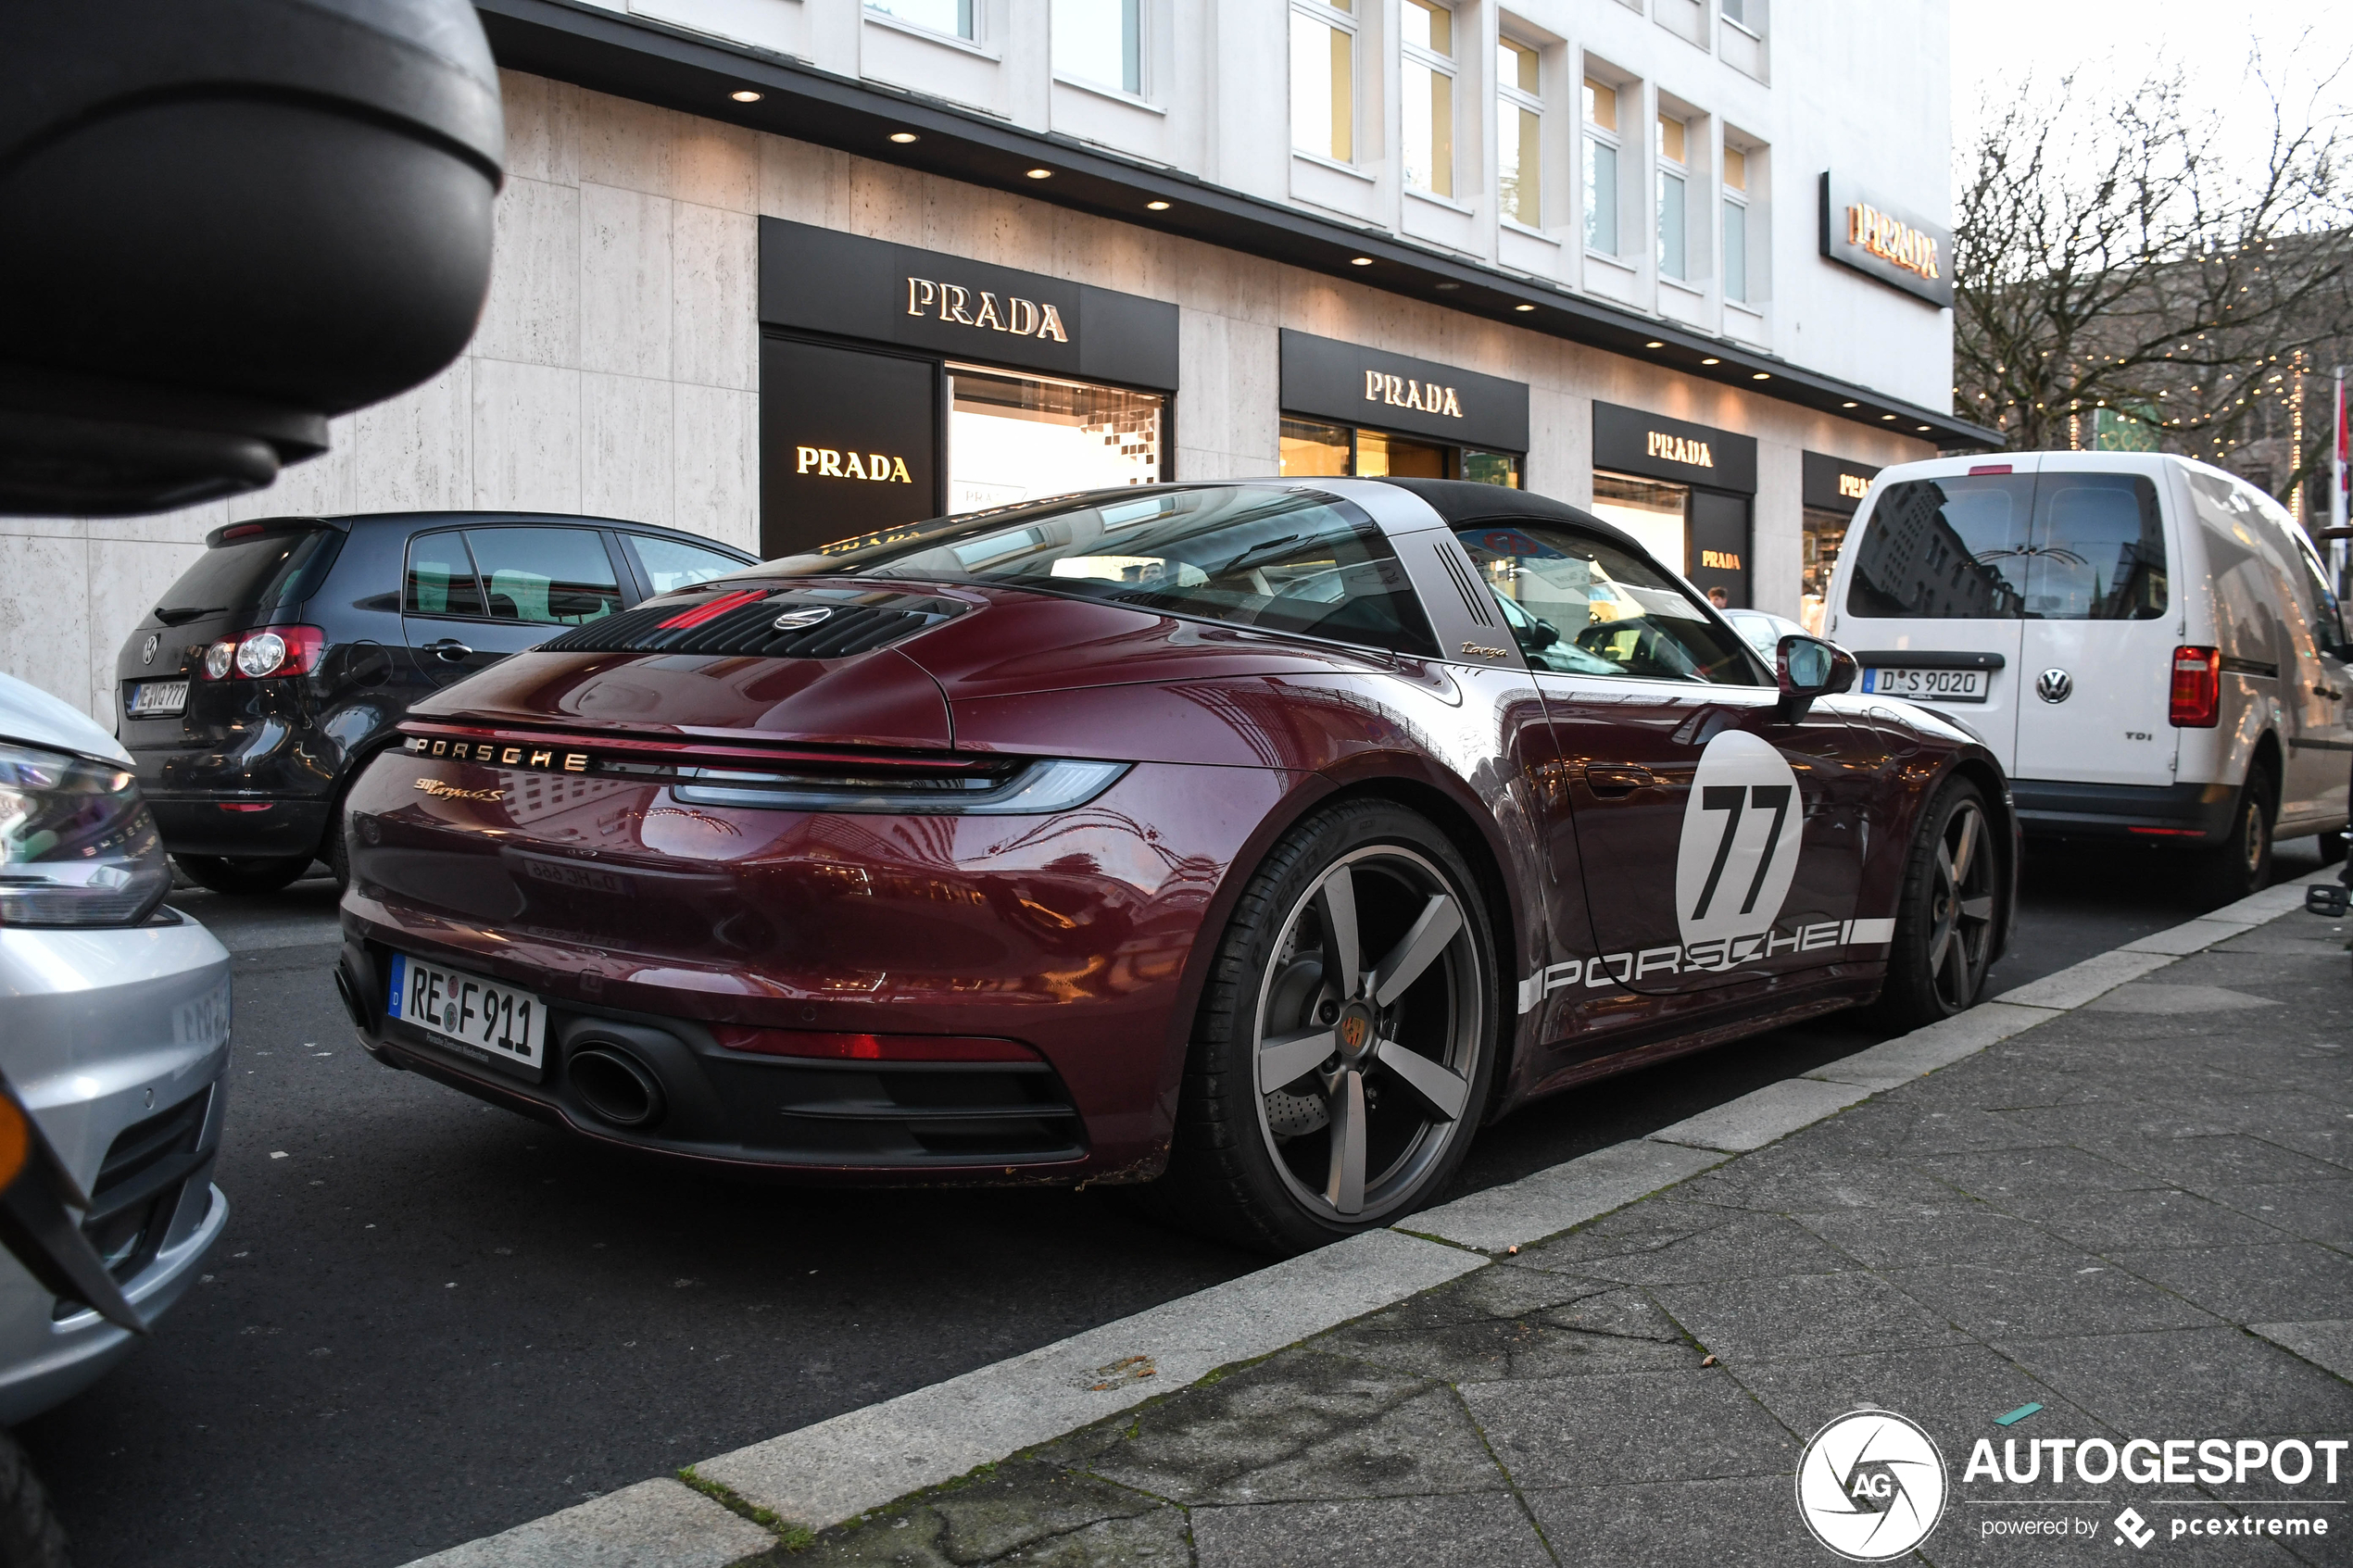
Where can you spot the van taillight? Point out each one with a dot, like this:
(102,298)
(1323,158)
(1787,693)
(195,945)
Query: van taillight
(2198,688)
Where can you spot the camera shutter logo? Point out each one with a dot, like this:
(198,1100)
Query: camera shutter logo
(1871,1486)
(2054,686)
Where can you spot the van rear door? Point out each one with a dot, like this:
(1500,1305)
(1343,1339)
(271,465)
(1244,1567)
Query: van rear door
(1927,595)
(2096,666)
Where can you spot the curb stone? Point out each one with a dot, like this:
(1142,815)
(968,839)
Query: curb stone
(829,1473)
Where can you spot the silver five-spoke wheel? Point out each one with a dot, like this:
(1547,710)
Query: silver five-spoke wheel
(1961,908)
(1369,1023)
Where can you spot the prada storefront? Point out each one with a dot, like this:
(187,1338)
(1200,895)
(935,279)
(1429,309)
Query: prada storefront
(897,384)
(1688,492)
(1834,488)
(1353,410)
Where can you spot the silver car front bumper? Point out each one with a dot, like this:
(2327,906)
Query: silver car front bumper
(117,1041)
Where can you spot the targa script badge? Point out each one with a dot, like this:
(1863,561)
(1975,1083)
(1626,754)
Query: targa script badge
(441,791)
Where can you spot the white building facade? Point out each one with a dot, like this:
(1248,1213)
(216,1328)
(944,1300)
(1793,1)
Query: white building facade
(1677,261)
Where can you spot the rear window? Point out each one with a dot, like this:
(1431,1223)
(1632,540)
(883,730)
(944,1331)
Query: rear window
(1276,559)
(249,576)
(2061,547)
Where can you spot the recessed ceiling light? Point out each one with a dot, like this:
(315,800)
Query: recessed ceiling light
(1923,427)
(1041,174)
(1654,343)
(903,137)
(1448,288)
(1711,362)
(1523,308)
(1847,405)
(745,95)
(1360,261)
(1156,206)
(1762,375)
(1887,416)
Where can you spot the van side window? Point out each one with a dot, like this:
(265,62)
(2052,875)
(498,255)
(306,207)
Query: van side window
(2328,615)
(1944,550)
(2098,549)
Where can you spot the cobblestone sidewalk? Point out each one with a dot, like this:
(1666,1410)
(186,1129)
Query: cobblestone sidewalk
(2138,1217)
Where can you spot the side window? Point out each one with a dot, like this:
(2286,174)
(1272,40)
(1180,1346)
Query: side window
(2328,615)
(441,577)
(548,576)
(669,565)
(1944,550)
(1581,607)
(2099,549)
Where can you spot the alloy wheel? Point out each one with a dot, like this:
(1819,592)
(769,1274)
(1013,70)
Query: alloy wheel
(1368,1027)
(1961,908)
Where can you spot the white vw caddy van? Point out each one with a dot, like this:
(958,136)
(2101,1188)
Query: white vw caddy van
(2149,645)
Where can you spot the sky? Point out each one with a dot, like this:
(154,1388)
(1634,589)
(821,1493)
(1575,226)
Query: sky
(1996,42)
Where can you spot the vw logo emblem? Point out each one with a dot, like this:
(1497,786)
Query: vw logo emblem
(148,654)
(801,620)
(2054,686)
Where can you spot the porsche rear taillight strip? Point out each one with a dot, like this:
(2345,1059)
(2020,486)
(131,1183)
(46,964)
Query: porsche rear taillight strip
(572,741)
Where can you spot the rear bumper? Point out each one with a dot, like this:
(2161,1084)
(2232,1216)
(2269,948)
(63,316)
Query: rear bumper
(237,823)
(2182,813)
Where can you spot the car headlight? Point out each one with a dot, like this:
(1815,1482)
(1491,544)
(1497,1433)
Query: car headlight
(77,844)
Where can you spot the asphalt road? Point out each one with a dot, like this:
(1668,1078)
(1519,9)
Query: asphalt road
(430,1320)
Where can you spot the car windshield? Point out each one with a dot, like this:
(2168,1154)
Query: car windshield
(1278,559)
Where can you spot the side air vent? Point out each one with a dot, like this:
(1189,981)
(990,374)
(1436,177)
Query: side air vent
(760,625)
(1475,599)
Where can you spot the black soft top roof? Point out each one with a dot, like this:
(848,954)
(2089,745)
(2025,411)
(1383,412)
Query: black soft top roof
(1462,503)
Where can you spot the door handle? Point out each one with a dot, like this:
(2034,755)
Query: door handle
(450,649)
(1617,780)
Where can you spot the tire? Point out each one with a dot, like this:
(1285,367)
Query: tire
(2241,864)
(1955,884)
(243,873)
(1349,1136)
(30,1534)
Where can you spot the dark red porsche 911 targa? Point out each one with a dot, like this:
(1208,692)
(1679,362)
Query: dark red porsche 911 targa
(1259,838)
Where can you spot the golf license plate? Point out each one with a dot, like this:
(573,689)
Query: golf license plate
(1926,685)
(476,1018)
(159,699)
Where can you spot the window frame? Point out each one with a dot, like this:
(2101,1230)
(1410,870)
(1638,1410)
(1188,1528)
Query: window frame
(1141,89)
(1594,133)
(1736,197)
(970,16)
(1511,97)
(1447,66)
(1339,19)
(1679,170)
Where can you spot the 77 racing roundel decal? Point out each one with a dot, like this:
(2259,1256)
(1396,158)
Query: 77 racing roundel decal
(1741,832)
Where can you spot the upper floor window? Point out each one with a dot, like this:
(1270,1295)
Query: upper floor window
(1601,167)
(1746,15)
(1323,79)
(1101,40)
(1426,73)
(1520,108)
(1735,225)
(1674,200)
(954,18)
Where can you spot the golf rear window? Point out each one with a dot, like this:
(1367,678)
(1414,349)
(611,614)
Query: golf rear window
(248,576)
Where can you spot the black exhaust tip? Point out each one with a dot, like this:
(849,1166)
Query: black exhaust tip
(614,1086)
(351,996)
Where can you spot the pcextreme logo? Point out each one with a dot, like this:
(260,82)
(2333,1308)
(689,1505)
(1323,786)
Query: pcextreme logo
(1870,1485)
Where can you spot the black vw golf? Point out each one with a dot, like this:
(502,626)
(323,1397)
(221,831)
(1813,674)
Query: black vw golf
(281,658)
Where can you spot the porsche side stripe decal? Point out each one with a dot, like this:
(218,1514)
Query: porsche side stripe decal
(1714,956)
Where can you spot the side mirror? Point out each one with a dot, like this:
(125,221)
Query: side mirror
(1808,667)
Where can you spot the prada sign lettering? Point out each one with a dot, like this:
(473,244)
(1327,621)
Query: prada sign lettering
(1323,378)
(1632,441)
(1881,240)
(840,286)
(828,462)
(978,309)
(1834,484)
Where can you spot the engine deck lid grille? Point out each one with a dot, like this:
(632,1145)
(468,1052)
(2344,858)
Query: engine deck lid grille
(761,622)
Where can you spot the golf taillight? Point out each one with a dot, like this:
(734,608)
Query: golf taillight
(263,654)
(2198,688)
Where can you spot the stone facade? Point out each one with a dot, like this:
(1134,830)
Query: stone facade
(614,370)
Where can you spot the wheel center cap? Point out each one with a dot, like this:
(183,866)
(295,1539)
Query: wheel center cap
(1355,1031)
